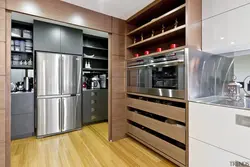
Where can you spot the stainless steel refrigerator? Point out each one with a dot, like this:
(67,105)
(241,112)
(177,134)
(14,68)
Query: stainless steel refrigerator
(58,89)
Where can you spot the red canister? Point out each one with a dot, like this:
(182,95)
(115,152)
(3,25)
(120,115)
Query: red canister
(137,55)
(159,49)
(172,46)
(146,52)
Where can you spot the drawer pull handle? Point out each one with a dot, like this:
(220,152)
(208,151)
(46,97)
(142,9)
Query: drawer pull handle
(93,101)
(243,120)
(93,93)
(92,109)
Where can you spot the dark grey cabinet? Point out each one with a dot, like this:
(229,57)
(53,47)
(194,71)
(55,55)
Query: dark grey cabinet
(47,37)
(22,115)
(55,38)
(71,41)
(94,106)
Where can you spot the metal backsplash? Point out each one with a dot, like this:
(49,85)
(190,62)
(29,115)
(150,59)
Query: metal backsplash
(208,74)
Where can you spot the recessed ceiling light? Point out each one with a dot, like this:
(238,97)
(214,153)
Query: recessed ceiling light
(221,38)
(232,43)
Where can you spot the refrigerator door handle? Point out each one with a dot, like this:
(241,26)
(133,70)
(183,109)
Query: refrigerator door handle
(60,113)
(62,118)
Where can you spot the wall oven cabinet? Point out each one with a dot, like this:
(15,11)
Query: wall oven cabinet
(163,75)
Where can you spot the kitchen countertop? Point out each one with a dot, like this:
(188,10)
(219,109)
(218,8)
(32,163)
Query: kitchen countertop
(222,101)
(18,93)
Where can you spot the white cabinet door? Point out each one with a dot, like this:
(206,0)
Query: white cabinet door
(217,126)
(227,32)
(204,155)
(214,7)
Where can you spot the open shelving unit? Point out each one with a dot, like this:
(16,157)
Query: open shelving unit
(157,26)
(16,42)
(161,123)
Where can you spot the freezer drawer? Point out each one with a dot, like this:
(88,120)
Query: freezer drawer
(48,116)
(71,78)
(71,113)
(48,70)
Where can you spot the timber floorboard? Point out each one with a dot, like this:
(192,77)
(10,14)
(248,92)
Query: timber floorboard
(88,147)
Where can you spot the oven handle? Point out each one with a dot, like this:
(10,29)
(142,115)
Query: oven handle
(157,64)
(167,63)
(140,66)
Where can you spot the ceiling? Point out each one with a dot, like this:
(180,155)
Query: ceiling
(122,9)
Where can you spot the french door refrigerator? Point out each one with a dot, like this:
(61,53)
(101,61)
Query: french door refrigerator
(58,89)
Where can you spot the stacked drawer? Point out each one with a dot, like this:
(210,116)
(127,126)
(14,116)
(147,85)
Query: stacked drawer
(95,106)
(160,124)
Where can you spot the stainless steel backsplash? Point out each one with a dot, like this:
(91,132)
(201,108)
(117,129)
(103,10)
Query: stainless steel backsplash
(208,74)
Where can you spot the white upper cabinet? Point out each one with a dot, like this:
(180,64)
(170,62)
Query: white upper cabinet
(214,7)
(227,32)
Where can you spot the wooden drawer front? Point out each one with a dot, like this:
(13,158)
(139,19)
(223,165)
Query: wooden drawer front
(166,129)
(165,147)
(172,112)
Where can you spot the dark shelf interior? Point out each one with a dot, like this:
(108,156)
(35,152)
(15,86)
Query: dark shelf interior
(93,47)
(16,42)
(95,53)
(96,58)
(155,11)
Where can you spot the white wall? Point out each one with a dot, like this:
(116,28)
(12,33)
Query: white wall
(242,67)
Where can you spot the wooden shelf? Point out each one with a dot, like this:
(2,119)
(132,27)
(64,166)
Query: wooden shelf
(21,67)
(160,20)
(96,58)
(94,69)
(21,38)
(165,35)
(93,47)
(158,53)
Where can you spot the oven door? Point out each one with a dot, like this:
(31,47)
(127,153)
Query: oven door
(158,79)
(139,77)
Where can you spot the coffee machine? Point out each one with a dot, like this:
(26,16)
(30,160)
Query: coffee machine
(103,81)
(28,84)
(95,83)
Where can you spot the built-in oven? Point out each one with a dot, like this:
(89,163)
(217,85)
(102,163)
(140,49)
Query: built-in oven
(162,75)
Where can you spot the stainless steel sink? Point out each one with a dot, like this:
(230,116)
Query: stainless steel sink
(226,101)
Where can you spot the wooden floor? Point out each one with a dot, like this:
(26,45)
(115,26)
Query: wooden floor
(87,147)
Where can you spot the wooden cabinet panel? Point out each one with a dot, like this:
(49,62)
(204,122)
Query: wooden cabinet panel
(172,131)
(159,109)
(2,24)
(158,143)
(62,11)
(71,41)
(2,58)
(118,26)
(118,45)
(2,125)
(2,154)
(47,37)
